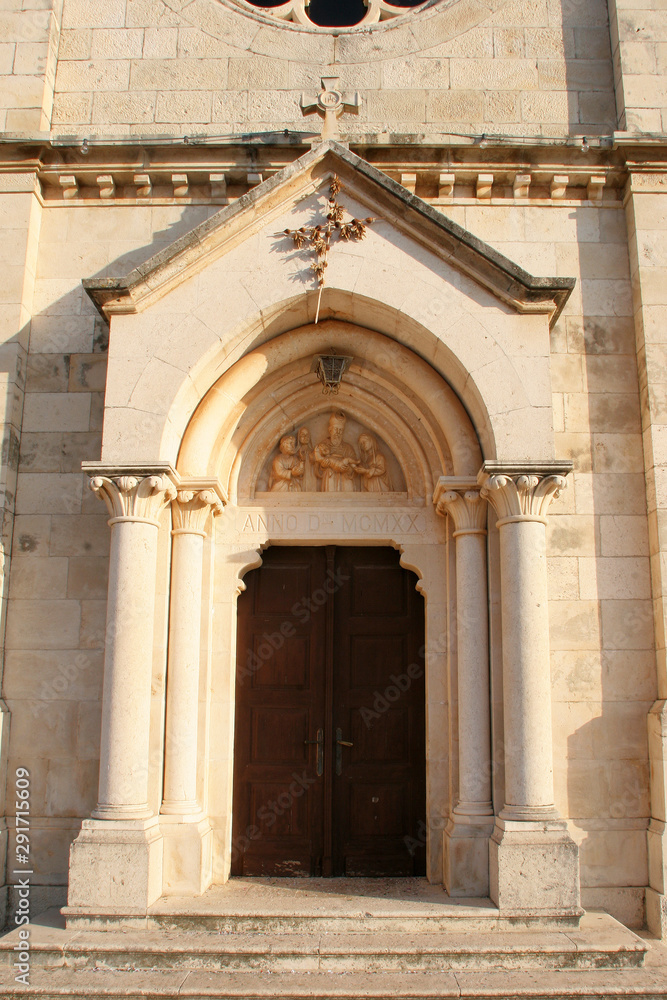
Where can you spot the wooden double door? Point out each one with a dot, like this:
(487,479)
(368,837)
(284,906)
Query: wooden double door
(329,773)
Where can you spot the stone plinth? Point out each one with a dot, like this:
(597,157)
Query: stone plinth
(188,849)
(534,867)
(116,863)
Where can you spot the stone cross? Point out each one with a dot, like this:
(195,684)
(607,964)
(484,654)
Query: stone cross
(330,104)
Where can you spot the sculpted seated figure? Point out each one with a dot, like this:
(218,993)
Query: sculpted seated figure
(287,468)
(335,459)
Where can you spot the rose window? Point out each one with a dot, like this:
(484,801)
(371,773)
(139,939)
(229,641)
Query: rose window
(334,13)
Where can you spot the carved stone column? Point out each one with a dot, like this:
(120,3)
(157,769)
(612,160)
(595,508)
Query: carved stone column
(186,831)
(534,865)
(466,841)
(123,835)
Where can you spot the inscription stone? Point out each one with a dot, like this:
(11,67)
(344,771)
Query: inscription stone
(353,522)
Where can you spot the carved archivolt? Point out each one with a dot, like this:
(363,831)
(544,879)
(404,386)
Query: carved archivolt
(331,454)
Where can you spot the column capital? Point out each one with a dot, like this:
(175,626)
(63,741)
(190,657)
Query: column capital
(522,493)
(133,493)
(192,504)
(462,500)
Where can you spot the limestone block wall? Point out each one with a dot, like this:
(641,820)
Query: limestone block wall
(603,660)
(29,41)
(58,582)
(502,66)
(639,44)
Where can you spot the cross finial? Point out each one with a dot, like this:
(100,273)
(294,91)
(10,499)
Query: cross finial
(330,104)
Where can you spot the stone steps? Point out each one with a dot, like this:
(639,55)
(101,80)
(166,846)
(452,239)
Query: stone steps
(319,906)
(331,940)
(599,942)
(451,920)
(87,984)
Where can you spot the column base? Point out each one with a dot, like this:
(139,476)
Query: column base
(188,854)
(534,868)
(656,899)
(656,913)
(465,848)
(114,863)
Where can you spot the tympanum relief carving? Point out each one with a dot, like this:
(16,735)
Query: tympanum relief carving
(331,453)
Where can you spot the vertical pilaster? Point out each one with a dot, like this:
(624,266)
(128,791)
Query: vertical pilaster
(638,35)
(18,201)
(123,835)
(534,864)
(186,831)
(466,838)
(647,246)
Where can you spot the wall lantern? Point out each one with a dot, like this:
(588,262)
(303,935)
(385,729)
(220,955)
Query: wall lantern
(329,369)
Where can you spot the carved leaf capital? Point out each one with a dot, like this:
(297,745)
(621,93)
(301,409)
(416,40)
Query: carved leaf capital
(190,509)
(137,497)
(466,508)
(519,496)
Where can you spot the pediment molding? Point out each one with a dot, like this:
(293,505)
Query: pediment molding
(383,197)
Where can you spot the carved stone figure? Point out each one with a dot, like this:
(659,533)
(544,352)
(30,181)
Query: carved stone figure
(287,468)
(335,459)
(309,483)
(332,465)
(372,466)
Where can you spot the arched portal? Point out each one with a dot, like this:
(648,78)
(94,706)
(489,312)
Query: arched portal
(209,379)
(419,432)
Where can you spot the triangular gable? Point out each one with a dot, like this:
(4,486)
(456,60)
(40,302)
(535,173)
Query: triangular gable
(410,214)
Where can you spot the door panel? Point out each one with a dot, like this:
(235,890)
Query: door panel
(379,798)
(277,828)
(350,670)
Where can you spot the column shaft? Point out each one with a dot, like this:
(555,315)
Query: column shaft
(180,775)
(529,789)
(473,675)
(466,838)
(128,661)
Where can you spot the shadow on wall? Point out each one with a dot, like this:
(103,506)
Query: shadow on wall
(52,679)
(588,78)
(604,673)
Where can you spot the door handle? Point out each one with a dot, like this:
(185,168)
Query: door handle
(319,742)
(340,743)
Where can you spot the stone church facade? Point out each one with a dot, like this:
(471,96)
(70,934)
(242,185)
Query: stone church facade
(490,270)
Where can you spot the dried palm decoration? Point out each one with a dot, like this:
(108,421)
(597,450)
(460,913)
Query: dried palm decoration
(317,239)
